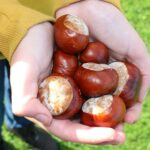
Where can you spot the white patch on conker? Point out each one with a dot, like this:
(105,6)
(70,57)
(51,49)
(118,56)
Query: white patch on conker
(76,24)
(98,105)
(95,66)
(122,71)
(56,93)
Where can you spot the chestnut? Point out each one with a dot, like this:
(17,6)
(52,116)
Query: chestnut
(104,111)
(95,52)
(129,82)
(96,79)
(61,96)
(64,64)
(71,34)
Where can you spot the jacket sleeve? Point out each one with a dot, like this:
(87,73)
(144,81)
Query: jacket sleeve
(15,20)
(115,3)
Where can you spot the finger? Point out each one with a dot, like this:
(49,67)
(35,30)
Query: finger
(120,127)
(133,113)
(76,132)
(24,85)
(144,87)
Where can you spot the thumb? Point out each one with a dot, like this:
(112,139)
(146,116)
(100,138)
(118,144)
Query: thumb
(33,109)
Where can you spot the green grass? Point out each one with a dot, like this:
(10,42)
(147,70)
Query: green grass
(13,142)
(138,13)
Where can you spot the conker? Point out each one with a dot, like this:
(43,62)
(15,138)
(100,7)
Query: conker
(104,111)
(61,96)
(64,64)
(95,52)
(129,81)
(71,34)
(96,79)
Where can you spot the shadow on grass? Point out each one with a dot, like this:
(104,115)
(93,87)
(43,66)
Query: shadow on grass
(9,146)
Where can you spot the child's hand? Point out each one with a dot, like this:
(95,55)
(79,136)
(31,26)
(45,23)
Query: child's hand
(30,63)
(107,24)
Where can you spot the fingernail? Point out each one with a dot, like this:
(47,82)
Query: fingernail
(120,138)
(44,119)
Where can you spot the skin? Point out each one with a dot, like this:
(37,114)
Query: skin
(27,67)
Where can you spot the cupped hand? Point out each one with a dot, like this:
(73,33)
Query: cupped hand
(31,63)
(112,28)
(108,24)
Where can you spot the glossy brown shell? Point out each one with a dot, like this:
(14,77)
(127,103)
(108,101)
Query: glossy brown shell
(96,83)
(95,52)
(68,40)
(64,64)
(131,89)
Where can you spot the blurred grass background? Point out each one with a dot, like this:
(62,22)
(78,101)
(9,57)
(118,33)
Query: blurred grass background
(138,135)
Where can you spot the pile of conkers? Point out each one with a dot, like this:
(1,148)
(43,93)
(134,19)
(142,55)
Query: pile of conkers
(83,81)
